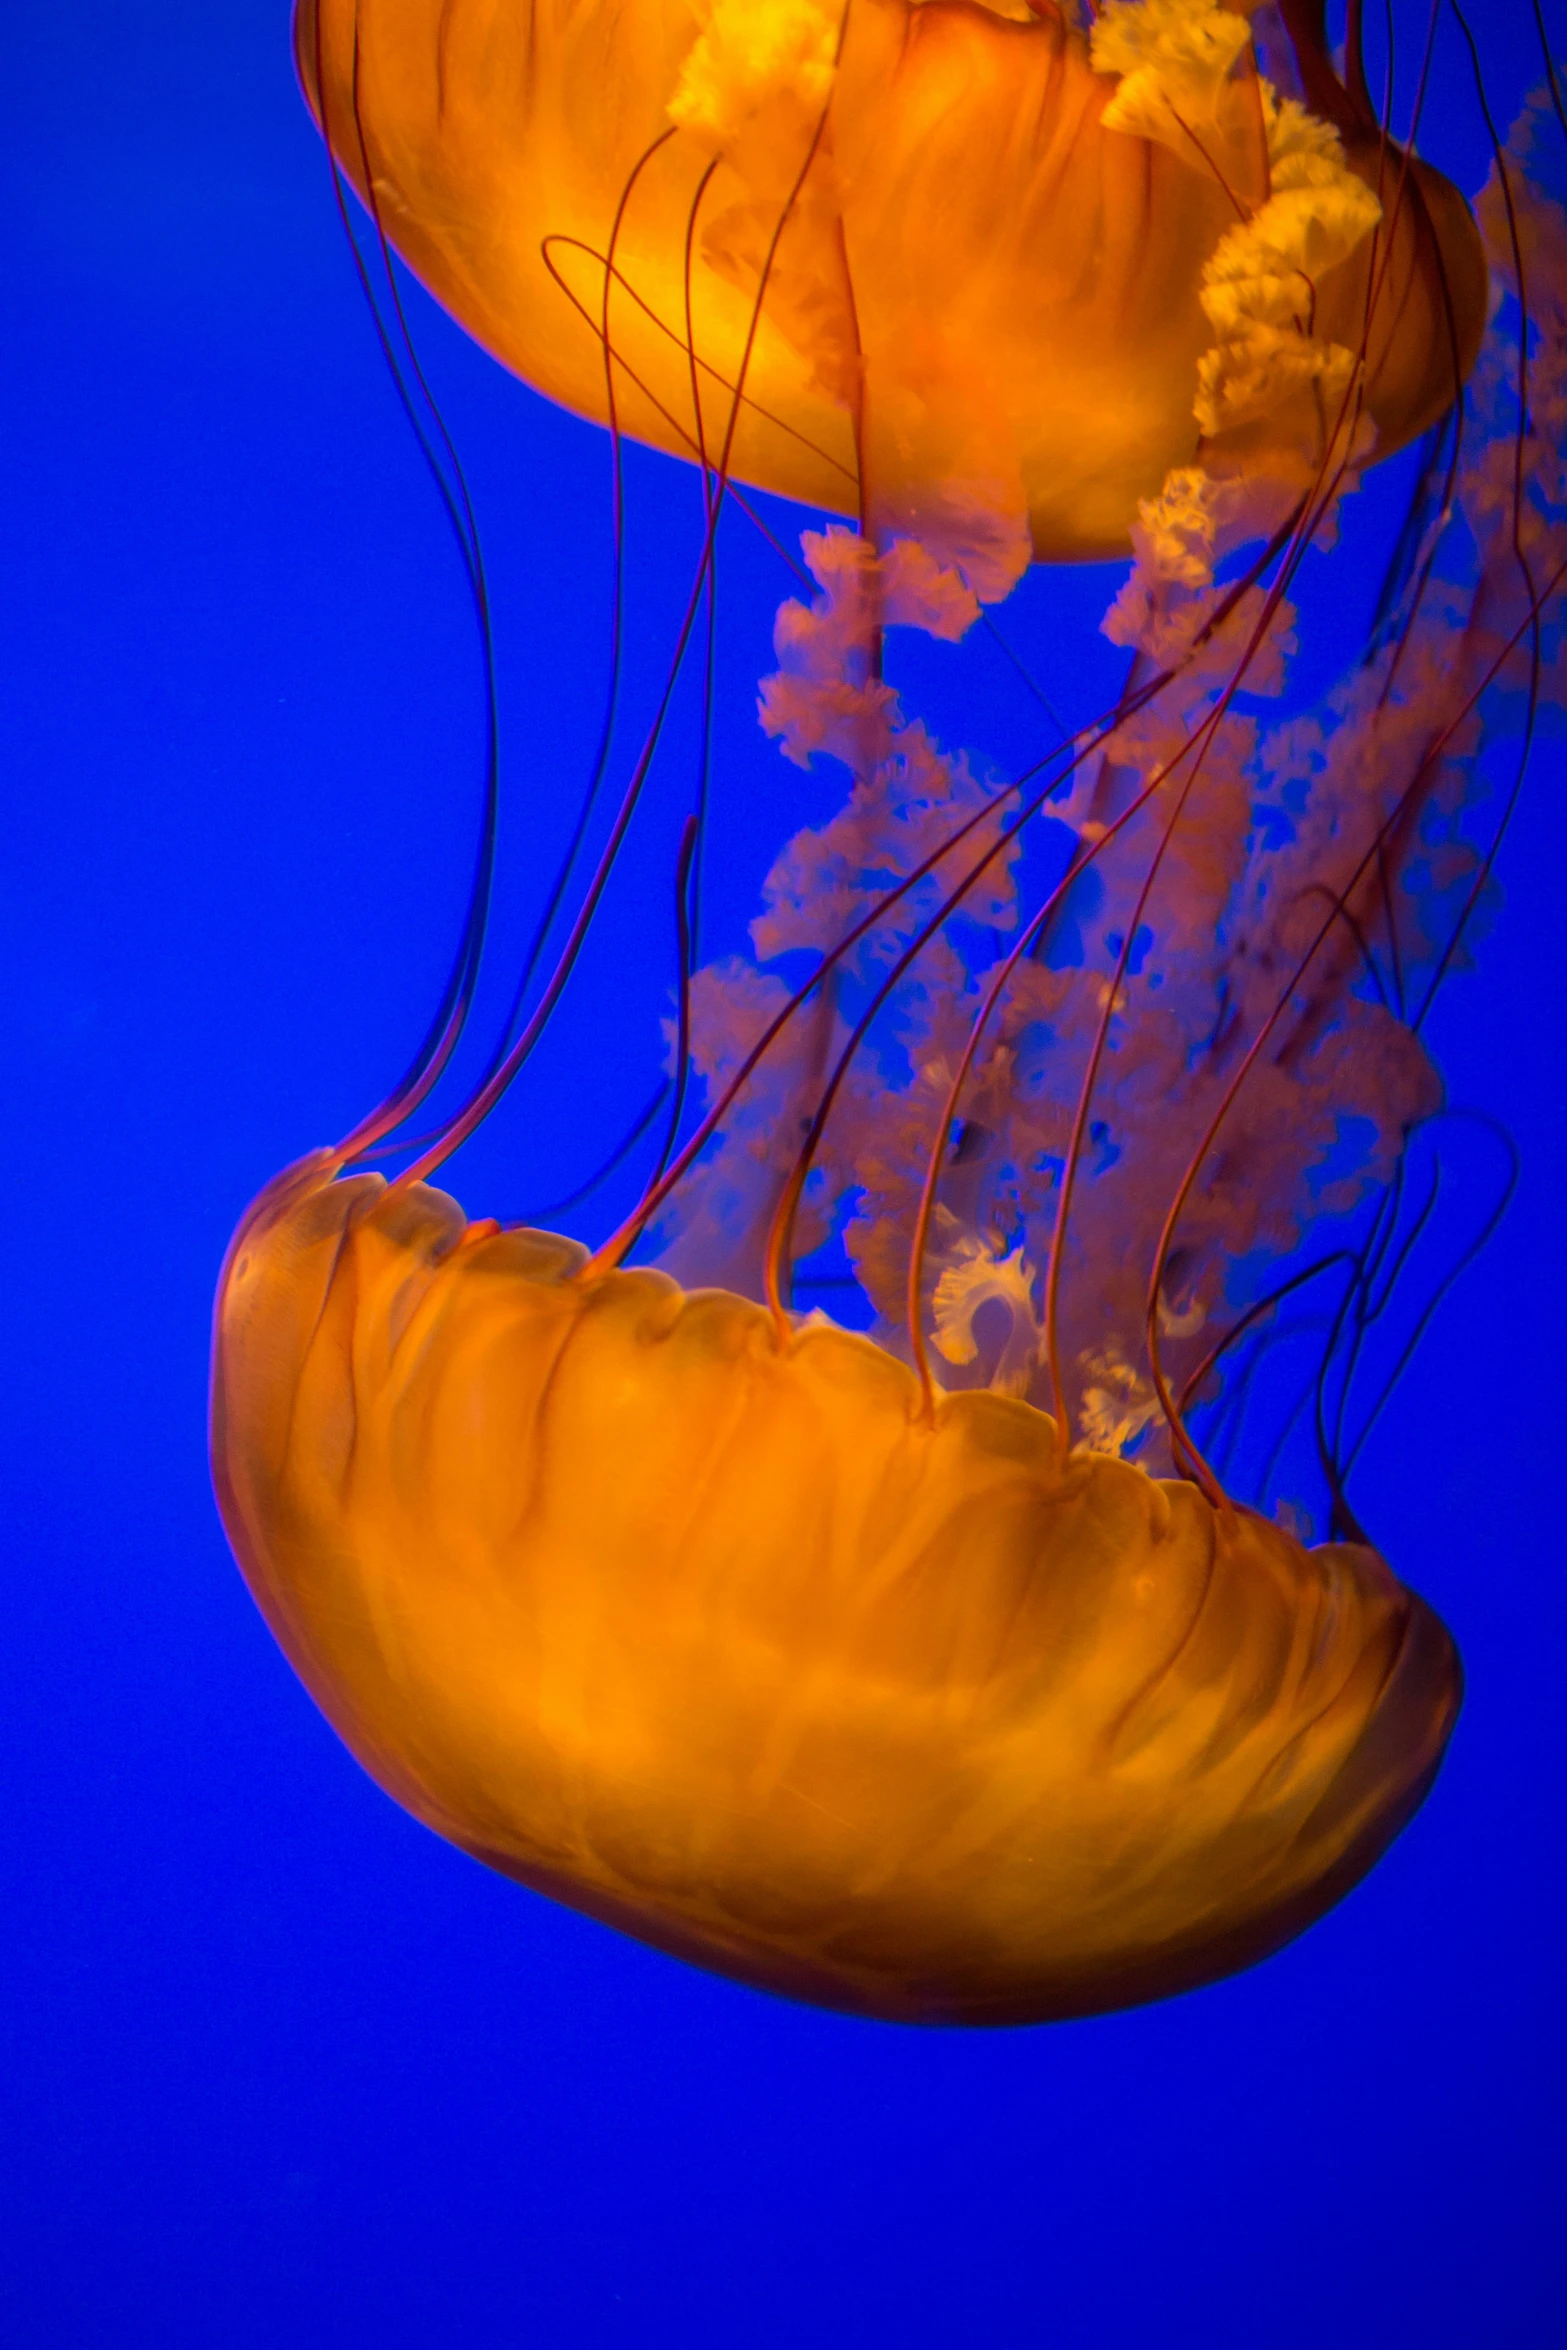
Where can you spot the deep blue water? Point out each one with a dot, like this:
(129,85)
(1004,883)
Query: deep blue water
(277,2067)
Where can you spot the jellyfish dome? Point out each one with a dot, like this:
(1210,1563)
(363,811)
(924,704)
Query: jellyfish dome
(952,257)
(927,1670)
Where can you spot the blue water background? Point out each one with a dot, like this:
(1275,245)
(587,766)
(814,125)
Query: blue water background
(276,2066)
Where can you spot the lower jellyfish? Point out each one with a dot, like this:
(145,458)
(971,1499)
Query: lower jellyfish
(927,1670)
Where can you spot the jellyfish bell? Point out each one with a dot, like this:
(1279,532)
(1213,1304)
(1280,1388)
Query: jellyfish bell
(725,1642)
(926,1672)
(952,256)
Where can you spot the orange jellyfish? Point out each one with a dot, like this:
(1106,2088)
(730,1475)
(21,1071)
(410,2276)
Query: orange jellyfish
(927,1671)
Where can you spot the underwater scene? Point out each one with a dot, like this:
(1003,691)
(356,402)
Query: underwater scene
(783,971)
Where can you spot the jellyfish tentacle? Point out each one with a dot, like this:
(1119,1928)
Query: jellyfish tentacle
(599,765)
(1337,443)
(1034,932)
(1360,1307)
(1196,747)
(687,863)
(369,1139)
(1079,746)
(698,421)
(1351,921)
(1552,83)
(1454,1274)
(1135,696)
(612,1250)
(1521,282)
(1344,103)
(552,1210)
(667,1085)
(1536,601)
(988,623)
(680,433)
(685,866)
(1456,407)
(1381,1259)
(446,1026)
(485,1096)
(1254,1050)
(780,1231)
(1112,991)
(1415,594)
(1256,1312)
(512,1050)
(778,1240)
